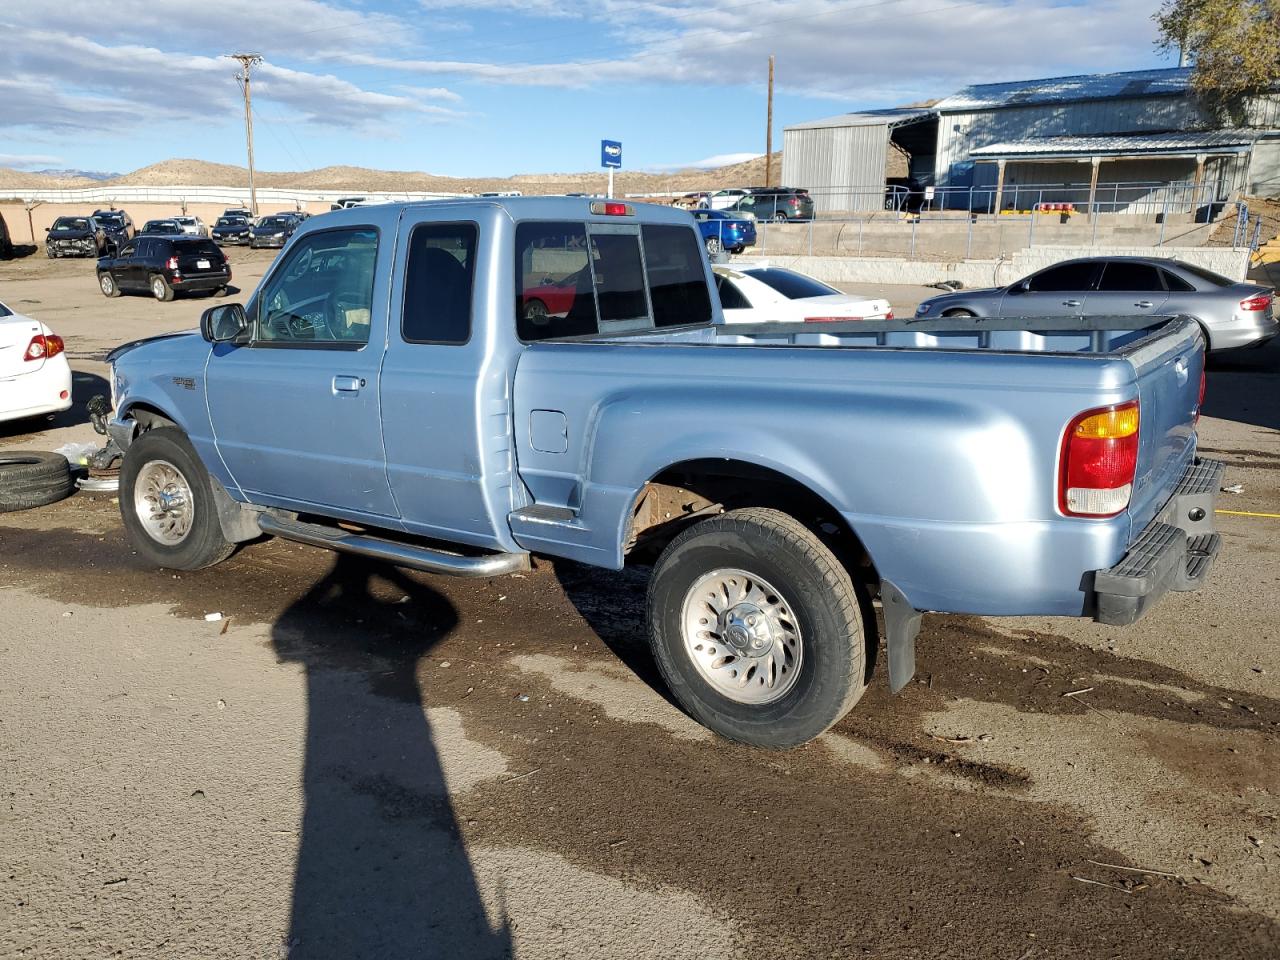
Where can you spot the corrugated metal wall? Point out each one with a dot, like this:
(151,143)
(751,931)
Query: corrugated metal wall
(958,133)
(841,167)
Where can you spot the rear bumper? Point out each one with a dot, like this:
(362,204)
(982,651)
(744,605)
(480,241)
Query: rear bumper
(1242,331)
(37,393)
(1175,551)
(201,282)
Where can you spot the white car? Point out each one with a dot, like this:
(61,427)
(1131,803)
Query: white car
(191,226)
(763,294)
(722,199)
(35,377)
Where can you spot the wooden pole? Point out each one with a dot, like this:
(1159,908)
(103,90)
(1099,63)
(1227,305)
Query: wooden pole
(768,132)
(1093,188)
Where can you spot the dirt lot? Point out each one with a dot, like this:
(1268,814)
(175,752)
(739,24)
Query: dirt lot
(357,761)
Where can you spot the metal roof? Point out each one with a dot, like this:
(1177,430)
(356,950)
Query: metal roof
(1138,143)
(1095,86)
(891,117)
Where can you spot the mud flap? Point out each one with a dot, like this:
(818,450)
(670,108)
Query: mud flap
(901,624)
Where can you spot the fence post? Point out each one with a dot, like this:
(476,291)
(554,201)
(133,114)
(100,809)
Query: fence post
(811,236)
(914,224)
(1031,230)
(1093,215)
(968,240)
(860,223)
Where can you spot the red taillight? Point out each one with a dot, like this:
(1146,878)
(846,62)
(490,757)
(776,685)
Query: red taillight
(43,347)
(889,315)
(1253,304)
(611,208)
(1098,461)
(171,263)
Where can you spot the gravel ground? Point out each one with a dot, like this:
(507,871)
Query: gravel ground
(357,761)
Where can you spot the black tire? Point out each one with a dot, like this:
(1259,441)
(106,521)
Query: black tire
(107,284)
(203,545)
(32,478)
(829,612)
(779,216)
(959,313)
(535,311)
(160,288)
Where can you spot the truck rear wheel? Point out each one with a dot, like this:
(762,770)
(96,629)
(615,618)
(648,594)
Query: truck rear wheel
(757,628)
(166,502)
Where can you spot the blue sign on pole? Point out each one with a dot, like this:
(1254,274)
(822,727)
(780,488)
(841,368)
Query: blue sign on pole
(610,153)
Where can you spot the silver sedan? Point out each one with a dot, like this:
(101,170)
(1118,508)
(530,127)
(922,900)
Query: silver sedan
(1231,314)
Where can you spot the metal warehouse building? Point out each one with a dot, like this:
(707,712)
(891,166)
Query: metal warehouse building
(1118,142)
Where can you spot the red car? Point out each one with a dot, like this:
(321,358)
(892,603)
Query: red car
(550,298)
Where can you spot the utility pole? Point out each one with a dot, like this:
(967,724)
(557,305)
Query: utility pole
(768,133)
(247,62)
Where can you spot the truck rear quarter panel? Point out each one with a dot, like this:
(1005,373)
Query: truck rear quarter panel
(943,463)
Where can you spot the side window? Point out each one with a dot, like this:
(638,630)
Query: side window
(128,249)
(1128,276)
(1066,277)
(323,292)
(144,249)
(677,281)
(1175,283)
(439,276)
(555,295)
(731,297)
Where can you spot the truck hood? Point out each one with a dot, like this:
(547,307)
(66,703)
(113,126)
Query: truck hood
(124,348)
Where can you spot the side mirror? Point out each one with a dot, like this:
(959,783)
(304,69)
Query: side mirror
(223,323)
(1022,286)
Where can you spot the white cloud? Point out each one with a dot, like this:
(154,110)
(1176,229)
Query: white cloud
(21,160)
(709,163)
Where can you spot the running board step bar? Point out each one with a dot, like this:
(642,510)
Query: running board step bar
(400,554)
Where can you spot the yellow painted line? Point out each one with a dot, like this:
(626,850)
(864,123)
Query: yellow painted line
(1246,513)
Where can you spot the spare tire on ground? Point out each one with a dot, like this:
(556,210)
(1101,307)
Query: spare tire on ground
(33,478)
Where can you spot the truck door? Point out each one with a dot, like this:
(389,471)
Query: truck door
(295,410)
(445,400)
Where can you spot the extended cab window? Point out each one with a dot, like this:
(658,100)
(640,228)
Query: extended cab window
(439,276)
(555,292)
(323,292)
(677,281)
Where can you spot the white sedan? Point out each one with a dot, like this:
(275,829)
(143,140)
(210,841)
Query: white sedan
(765,294)
(35,377)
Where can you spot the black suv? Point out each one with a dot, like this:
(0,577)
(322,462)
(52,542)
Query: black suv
(75,237)
(117,225)
(165,266)
(777,203)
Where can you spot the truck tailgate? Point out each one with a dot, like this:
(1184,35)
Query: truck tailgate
(1168,372)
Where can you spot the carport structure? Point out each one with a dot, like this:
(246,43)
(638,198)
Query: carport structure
(1174,172)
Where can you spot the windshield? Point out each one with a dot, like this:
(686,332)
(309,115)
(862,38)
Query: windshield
(110,219)
(792,285)
(71,223)
(160,226)
(274,222)
(231,221)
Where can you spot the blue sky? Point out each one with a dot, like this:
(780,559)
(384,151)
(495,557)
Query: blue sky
(499,87)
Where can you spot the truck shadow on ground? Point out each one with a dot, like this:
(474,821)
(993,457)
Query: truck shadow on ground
(1241,386)
(382,871)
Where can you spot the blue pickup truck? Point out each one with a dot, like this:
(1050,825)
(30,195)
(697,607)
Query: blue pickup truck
(384,392)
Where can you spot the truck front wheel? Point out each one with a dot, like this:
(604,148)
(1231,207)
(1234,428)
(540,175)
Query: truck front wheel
(166,502)
(757,628)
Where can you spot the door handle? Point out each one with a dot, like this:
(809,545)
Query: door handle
(347,384)
(1071,303)
(1144,304)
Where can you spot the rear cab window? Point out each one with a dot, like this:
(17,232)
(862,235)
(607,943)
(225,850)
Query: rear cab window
(439,279)
(575,279)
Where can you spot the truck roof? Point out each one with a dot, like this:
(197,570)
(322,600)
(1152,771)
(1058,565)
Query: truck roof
(548,208)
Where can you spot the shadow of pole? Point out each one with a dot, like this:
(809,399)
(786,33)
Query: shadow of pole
(382,871)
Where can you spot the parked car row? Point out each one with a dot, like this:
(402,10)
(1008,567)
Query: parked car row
(104,232)
(779,204)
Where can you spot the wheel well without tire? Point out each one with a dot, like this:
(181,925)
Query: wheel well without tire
(688,491)
(148,417)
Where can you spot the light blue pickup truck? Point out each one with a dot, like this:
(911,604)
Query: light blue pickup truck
(386,392)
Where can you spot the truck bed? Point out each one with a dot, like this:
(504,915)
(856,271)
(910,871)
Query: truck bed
(939,446)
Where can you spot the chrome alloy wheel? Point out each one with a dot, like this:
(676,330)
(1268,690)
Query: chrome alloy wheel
(742,636)
(163,502)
